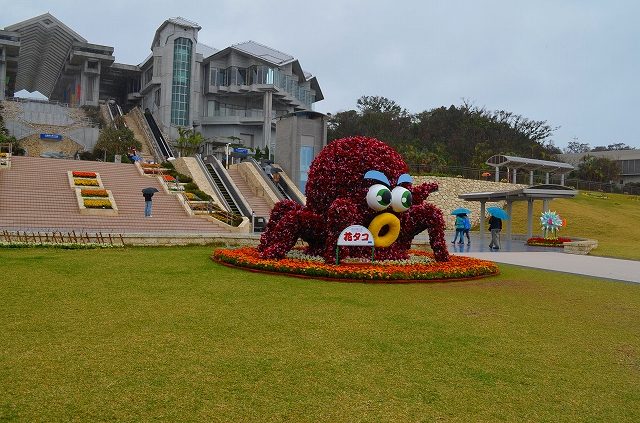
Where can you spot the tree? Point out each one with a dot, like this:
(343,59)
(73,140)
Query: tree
(458,136)
(598,169)
(378,117)
(577,147)
(116,141)
(190,141)
(6,138)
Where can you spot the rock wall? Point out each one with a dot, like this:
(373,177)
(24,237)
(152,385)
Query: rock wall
(446,198)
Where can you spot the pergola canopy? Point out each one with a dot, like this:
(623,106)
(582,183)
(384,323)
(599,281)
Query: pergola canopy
(512,162)
(544,192)
(538,192)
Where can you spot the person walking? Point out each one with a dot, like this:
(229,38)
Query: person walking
(466,229)
(495,226)
(459,229)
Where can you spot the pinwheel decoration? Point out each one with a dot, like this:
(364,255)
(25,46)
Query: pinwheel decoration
(551,222)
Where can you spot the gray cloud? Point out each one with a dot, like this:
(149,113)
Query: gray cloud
(574,64)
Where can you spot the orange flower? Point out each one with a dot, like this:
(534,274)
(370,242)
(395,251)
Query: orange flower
(84,174)
(457,268)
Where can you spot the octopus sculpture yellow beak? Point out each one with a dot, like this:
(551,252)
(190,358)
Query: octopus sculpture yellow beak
(377,226)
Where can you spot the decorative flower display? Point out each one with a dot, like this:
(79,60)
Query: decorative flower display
(94,193)
(169,178)
(551,222)
(356,181)
(548,242)
(84,174)
(150,165)
(86,182)
(98,204)
(419,267)
(153,171)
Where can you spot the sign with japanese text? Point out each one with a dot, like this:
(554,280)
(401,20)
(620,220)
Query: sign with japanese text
(51,136)
(356,235)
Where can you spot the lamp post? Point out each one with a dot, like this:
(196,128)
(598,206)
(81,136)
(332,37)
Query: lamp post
(227,161)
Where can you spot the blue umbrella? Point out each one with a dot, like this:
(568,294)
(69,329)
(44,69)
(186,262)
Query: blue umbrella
(461,210)
(497,212)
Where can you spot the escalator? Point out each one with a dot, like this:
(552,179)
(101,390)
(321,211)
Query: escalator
(222,184)
(224,192)
(163,145)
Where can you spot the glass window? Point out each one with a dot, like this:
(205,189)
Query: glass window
(180,98)
(306,157)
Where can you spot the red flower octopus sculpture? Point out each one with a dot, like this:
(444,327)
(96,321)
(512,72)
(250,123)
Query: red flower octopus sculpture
(356,181)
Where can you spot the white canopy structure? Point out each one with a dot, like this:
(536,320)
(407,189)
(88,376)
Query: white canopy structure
(515,163)
(530,194)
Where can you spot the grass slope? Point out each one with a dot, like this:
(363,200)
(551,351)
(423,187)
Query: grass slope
(165,334)
(612,219)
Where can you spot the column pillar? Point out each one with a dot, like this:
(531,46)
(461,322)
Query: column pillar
(267,106)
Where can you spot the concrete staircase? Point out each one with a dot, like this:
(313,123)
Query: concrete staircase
(258,204)
(35,195)
(137,132)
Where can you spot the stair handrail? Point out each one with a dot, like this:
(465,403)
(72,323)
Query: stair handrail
(159,139)
(144,126)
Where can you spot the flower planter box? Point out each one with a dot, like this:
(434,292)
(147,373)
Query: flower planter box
(72,181)
(96,211)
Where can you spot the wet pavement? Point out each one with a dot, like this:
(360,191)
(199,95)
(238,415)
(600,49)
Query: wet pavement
(516,252)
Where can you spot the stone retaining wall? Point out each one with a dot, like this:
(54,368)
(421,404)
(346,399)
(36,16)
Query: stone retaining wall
(446,198)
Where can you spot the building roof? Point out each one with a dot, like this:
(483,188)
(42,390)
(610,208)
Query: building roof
(45,43)
(512,162)
(548,191)
(263,52)
(179,21)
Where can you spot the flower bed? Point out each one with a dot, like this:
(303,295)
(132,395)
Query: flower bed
(85,182)
(419,269)
(94,193)
(84,175)
(97,204)
(547,242)
(154,171)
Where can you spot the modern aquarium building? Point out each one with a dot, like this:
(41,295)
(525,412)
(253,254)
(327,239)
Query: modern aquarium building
(248,95)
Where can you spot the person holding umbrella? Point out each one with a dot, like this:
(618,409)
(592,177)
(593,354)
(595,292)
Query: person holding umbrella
(495,226)
(466,229)
(147,193)
(459,229)
(461,215)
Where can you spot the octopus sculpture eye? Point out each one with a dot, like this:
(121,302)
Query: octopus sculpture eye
(379,197)
(401,200)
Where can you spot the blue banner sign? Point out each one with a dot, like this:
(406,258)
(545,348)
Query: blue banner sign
(241,150)
(51,136)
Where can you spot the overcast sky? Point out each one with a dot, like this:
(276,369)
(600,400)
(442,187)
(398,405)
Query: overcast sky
(574,64)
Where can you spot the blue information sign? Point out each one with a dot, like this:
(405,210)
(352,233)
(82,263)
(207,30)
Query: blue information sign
(241,150)
(51,136)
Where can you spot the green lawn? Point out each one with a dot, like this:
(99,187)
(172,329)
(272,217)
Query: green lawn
(612,219)
(165,334)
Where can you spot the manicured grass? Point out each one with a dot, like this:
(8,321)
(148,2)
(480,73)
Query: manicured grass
(612,219)
(155,334)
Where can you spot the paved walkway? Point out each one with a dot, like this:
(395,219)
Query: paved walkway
(554,259)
